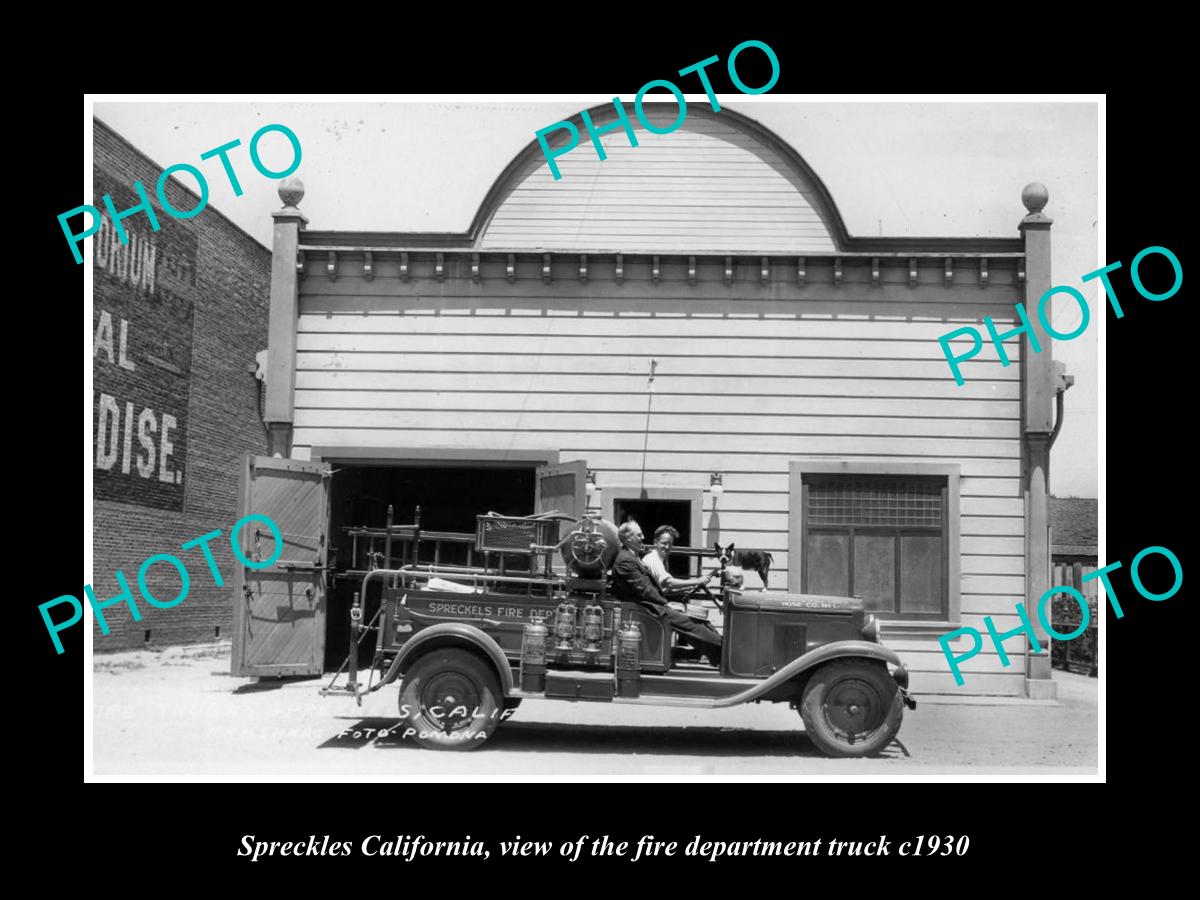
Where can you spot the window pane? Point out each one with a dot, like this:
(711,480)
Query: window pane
(921,574)
(828,564)
(878,500)
(875,570)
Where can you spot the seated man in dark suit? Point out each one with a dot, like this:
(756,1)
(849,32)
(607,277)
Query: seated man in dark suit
(632,582)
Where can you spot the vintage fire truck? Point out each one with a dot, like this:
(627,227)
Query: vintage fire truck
(469,643)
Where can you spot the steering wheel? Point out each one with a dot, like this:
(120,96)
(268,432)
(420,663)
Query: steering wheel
(702,587)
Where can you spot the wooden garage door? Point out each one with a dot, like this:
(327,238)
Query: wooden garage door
(279,611)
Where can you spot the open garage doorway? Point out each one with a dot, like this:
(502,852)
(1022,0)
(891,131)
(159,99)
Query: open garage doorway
(449,496)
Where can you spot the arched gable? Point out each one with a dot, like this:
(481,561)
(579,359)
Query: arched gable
(720,183)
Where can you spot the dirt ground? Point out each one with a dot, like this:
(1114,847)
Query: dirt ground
(178,712)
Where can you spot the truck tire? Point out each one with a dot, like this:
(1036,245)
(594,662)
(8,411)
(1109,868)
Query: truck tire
(450,699)
(851,707)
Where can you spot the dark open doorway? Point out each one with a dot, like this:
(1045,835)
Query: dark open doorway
(450,497)
(652,513)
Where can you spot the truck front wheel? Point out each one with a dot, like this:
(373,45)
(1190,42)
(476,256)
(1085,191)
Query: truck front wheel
(449,700)
(851,708)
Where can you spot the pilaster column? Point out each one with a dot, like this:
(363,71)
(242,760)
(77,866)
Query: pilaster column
(281,334)
(1037,387)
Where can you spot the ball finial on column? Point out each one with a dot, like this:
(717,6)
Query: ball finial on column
(291,191)
(1035,196)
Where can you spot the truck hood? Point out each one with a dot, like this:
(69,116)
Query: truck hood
(779,601)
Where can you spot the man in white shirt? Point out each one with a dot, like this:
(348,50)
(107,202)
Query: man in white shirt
(665,537)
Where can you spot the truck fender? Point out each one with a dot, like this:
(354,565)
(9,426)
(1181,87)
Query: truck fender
(452,634)
(810,660)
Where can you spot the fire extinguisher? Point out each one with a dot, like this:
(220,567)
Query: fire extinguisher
(533,656)
(629,662)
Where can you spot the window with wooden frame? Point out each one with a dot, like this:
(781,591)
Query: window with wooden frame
(882,537)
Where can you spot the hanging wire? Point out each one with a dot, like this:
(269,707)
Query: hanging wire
(646,436)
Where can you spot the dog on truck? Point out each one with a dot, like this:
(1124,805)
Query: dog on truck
(758,560)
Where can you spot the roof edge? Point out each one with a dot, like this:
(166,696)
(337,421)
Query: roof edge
(441,240)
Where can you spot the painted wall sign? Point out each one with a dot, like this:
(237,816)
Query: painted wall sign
(145,293)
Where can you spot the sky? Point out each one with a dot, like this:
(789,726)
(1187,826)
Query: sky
(903,169)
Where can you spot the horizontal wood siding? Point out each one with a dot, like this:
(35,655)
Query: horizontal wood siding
(705,187)
(740,395)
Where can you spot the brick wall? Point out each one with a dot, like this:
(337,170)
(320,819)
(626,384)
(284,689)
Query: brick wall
(186,313)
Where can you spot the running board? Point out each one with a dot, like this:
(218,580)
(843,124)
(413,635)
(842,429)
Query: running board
(695,689)
(669,700)
(643,700)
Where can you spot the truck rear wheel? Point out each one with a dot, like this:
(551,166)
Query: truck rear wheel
(450,699)
(851,708)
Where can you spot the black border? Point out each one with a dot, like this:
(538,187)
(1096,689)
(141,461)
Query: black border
(1018,832)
